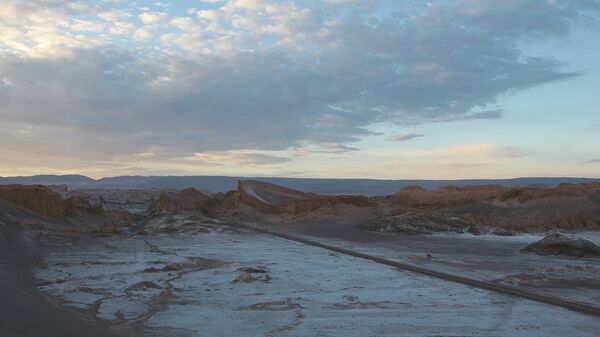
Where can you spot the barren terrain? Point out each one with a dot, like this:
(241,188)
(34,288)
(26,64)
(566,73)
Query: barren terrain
(187,262)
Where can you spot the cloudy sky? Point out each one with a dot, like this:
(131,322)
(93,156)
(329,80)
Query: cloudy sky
(306,88)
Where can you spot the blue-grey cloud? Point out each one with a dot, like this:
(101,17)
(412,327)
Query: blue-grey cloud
(404,136)
(267,82)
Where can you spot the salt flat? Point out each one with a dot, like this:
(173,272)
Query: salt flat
(492,258)
(309,292)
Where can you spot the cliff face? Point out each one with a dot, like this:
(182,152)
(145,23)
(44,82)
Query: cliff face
(38,199)
(45,202)
(523,208)
(270,198)
(415,196)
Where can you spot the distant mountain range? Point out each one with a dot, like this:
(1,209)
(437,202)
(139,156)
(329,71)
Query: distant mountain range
(368,187)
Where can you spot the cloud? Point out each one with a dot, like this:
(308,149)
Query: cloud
(461,165)
(404,136)
(491,114)
(335,148)
(149,18)
(325,148)
(470,150)
(239,158)
(261,75)
(208,14)
(593,161)
(110,15)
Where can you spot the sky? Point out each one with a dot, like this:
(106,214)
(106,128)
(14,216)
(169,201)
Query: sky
(335,88)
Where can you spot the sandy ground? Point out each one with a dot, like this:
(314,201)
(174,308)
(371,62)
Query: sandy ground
(24,312)
(132,282)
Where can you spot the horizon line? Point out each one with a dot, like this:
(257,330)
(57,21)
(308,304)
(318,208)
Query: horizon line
(287,177)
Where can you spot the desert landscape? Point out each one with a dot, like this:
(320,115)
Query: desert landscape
(267,260)
(301,168)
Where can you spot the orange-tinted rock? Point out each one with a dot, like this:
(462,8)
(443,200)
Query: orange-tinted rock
(47,203)
(35,198)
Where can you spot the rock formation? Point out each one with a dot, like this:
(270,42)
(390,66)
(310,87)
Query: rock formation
(250,274)
(115,221)
(572,206)
(475,209)
(187,200)
(270,198)
(558,244)
(47,203)
(416,224)
(35,198)
(79,206)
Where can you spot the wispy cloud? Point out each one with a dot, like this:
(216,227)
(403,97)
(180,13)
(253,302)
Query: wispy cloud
(593,161)
(326,148)
(240,158)
(336,148)
(470,150)
(404,136)
(461,165)
(490,114)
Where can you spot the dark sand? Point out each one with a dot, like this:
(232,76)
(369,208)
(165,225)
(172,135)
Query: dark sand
(24,312)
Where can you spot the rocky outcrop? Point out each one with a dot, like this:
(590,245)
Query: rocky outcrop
(412,224)
(270,193)
(143,286)
(115,221)
(133,201)
(187,200)
(270,198)
(79,206)
(250,274)
(35,198)
(43,201)
(503,232)
(558,244)
(486,208)
(532,208)
(503,210)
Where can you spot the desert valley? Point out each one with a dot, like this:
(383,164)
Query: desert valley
(277,261)
(301,168)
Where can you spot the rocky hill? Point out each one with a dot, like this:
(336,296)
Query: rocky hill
(48,203)
(271,198)
(186,200)
(497,209)
(475,209)
(567,206)
(42,208)
(38,199)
